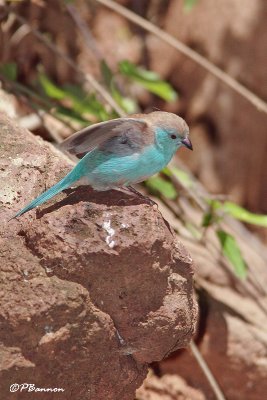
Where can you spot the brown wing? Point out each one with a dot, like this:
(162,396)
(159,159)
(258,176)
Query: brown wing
(93,136)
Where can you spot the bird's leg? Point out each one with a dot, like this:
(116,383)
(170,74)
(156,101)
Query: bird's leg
(138,194)
(131,190)
(122,189)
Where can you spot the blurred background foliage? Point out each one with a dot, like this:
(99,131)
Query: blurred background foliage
(53,98)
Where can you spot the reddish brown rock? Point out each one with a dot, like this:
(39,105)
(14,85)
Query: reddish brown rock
(234,348)
(93,285)
(167,387)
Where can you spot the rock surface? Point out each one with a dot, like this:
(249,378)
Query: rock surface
(94,286)
(167,387)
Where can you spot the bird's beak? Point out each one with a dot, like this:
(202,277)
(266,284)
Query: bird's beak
(187,143)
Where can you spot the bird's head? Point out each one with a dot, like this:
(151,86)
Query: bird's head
(171,131)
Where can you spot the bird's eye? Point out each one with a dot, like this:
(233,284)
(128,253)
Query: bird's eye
(173,136)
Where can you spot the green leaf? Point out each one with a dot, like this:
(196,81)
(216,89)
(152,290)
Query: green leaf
(71,114)
(185,178)
(128,105)
(193,230)
(166,171)
(85,104)
(232,252)
(189,4)
(156,184)
(244,215)
(208,219)
(124,102)
(106,73)
(149,80)
(81,102)
(9,70)
(239,212)
(50,89)
(211,217)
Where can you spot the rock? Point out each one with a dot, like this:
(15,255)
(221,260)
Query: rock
(94,286)
(234,349)
(167,387)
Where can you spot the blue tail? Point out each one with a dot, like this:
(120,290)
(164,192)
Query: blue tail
(66,182)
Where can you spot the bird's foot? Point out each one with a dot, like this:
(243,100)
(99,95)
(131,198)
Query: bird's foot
(129,190)
(142,196)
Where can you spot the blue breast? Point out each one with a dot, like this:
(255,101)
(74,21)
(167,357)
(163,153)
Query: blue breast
(105,171)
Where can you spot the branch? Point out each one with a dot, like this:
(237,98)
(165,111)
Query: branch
(84,31)
(207,372)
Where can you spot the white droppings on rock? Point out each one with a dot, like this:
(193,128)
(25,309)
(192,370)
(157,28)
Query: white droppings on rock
(25,275)
(110,231)
(121,340)
(48,329)
(48,270)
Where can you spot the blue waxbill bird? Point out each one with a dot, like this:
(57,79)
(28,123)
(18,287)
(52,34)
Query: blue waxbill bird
(118,153)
